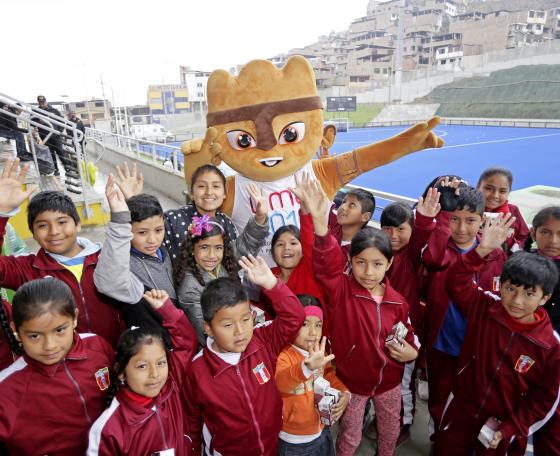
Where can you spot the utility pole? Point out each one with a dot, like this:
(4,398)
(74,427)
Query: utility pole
(106,112)
(399,51)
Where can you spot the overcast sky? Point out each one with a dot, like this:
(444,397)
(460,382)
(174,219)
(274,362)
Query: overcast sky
(62,47)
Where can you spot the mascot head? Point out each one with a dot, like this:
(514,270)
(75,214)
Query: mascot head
(269,121)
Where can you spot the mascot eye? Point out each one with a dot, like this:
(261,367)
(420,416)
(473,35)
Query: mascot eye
(239,140)
(292,133)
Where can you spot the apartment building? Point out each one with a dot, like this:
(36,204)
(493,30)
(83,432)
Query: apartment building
(438,33)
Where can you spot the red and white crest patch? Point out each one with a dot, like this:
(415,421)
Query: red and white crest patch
(262,374)
(102,378)
(524,363)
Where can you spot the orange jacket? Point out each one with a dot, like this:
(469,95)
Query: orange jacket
(299,413)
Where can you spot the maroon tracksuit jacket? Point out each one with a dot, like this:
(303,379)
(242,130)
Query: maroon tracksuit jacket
(440,253)
(404,273)
(359,325)
(129,428)
(96,313)
(506,373)
(49,409)
(238,405)
(6,355)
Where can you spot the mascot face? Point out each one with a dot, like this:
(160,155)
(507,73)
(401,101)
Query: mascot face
(269,121)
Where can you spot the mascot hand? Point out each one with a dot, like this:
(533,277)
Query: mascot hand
(198,152)
(421,136)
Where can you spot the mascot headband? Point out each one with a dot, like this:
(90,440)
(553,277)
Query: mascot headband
(262,115)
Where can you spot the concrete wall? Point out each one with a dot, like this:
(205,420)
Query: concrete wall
(407,111)
(166,181)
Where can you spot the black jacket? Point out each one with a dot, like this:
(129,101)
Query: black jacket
(43,133)
(8,122)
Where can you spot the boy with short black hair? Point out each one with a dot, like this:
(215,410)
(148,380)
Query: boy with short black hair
(508,376)
(133,258)
(352,215)
(55,224)
(455,234)
(233,406)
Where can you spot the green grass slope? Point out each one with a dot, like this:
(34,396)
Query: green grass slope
(527,92)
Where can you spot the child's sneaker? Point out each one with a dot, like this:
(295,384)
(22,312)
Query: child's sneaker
(423,390)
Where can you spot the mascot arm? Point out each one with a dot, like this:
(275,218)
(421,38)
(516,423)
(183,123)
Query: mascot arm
(337,171)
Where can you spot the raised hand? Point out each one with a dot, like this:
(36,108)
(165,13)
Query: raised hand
(429,206)
(11,181)
(156,298)
(115,196)
(261,203)
(301,182)
(318,205)
(495,232)
(258,272)
(401,351)
(129,181)
(317,358)
(198,152)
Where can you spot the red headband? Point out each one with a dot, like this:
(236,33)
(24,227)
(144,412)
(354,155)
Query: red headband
(313,311)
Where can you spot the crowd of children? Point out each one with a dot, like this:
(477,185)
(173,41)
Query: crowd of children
(156,344)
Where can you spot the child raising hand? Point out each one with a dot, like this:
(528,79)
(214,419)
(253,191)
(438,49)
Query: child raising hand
(364,310)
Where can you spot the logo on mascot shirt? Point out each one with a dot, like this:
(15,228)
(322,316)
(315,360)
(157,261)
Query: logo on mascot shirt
(524,363)
(262,374)
(102,378)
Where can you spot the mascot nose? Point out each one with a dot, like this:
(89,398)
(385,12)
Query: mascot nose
(266,144)
(266,139)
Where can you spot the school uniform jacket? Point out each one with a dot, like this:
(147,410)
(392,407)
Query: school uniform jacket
(238,406)
(440,253)
(127,428)
(7,357)
(49,409)
(301,280)
(359,324)
(511,375)
(96,312)
(404,273)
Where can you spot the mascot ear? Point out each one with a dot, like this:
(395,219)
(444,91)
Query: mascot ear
(329,133)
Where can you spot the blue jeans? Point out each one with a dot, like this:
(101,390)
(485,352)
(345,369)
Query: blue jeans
(321,446)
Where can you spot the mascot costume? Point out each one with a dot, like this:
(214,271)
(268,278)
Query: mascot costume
(267,124)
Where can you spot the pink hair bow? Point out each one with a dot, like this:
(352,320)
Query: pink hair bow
(200,223)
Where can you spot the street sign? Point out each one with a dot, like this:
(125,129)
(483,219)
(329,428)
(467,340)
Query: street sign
(341,104)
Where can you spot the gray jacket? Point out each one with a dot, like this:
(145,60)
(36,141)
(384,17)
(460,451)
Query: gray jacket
(189,291)
(122,274)
(189,300)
